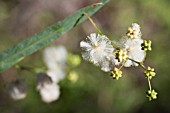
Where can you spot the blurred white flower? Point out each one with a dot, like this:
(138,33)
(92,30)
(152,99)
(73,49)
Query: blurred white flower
(48,90)
(17,89)
(134,31)
(98,50)
(134,51)
(56,74)
(55,57)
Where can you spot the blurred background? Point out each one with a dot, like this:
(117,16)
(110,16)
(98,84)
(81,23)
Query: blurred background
(94,91)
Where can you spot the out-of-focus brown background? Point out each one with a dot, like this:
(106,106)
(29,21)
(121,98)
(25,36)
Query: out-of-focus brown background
(95,91)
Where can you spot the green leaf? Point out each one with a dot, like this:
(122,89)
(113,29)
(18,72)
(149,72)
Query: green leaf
(16,53)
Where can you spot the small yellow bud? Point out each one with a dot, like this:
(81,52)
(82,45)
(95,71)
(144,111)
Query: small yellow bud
(150,72)
(151,94)
(131,33)
(121,55)
(116,73)
(146,45)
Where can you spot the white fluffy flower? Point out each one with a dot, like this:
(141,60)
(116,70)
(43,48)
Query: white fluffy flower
(50,92)
(134,31)
(48,89)
(134,51)
(17,94)
(109,63)
(17,89)
(55,57)
(56,74)
(98,50)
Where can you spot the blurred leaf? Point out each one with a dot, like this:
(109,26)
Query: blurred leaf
(16,53)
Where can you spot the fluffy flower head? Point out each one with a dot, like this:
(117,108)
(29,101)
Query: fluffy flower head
(55,57)
(98,50)
(134,31)
(134,51)
(48,90)
(17,89)
(56,75)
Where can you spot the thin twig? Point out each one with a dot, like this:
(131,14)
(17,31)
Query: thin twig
(95,26)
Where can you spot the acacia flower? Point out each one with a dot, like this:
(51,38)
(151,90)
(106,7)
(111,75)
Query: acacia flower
(98,50)
(56,74)
(48,90)
(129,51)
(134,51)
(55,58)
(17,89)
(134,31)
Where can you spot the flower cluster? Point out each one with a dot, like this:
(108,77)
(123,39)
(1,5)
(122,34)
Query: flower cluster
(47,83)
(111,56)
(56,58)
(47,80)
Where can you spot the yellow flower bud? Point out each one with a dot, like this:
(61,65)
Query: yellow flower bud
(151,94)
(131,33)
(150,72)
(146,45)
(116,73)
(121,55)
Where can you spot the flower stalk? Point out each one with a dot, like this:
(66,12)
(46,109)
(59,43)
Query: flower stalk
(93,23)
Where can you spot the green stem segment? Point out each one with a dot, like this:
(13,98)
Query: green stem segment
(141,64)
(122,65)
(149,82)
(30,69)
(95,26)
